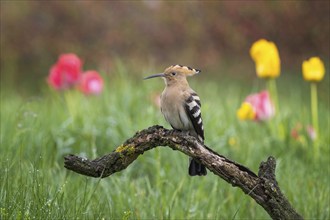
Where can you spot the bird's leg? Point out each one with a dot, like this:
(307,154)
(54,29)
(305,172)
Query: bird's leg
(188,133)
(174,130)
(178,130)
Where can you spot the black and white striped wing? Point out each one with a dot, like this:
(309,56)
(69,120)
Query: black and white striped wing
(193,110)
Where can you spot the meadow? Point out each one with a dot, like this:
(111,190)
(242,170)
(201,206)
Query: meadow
(38,131)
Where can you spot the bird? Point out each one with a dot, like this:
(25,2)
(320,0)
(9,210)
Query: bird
(181,107)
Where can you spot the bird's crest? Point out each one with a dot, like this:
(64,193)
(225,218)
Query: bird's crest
(188,71)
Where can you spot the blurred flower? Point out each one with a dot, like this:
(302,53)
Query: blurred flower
(246,112)
(313,69)
(267,59)
(91,83)
(155,99)
(295,132)
(66,72)
(299,133)
(311,132)
(232,141)
(262,105)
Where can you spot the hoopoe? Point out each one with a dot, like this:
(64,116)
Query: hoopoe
(181,107)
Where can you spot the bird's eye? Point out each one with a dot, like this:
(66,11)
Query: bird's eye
(173,73)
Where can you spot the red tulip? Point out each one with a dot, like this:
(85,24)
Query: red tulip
(66,72)
(296,131)
(91,83)
(262,105)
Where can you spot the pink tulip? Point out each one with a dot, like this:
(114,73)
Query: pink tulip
(262,105)
(91,83)
(66,72)
(311,132)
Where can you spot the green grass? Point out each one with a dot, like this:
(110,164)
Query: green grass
(36,132)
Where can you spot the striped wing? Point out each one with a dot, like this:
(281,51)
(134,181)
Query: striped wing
(193,110)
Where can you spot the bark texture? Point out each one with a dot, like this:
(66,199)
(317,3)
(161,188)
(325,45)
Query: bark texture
(263,188)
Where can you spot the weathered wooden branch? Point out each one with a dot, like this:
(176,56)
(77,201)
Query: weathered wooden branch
(263,188)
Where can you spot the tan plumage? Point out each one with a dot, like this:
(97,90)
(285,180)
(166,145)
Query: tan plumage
(180,106)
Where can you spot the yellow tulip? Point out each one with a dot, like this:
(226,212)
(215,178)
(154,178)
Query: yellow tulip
(246,112)
(313,69)
(258,48)
(267,59)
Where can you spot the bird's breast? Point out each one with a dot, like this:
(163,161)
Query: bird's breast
(174,112)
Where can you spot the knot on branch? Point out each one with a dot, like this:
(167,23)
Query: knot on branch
(267,169)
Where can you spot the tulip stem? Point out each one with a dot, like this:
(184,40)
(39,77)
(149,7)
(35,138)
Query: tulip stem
(70,101)
(277,125)
(273,93)
(314,110)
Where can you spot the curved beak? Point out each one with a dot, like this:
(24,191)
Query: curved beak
(154,76)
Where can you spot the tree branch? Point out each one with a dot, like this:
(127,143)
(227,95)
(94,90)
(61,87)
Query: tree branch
(263,188)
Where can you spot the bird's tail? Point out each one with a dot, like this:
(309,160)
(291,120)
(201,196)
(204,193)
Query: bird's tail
(196,168)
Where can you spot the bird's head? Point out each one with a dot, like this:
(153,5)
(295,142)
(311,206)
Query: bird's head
(175,73)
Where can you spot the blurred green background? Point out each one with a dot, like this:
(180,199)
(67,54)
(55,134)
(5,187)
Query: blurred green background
(214,36)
